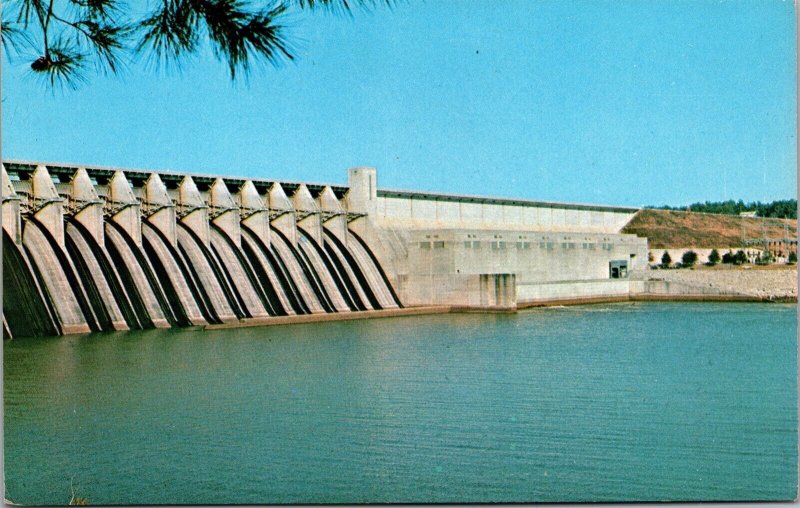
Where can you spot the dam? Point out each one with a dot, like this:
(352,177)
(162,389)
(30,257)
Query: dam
(90,249)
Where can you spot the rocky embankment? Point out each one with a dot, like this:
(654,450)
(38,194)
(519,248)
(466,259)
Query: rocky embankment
(779,283)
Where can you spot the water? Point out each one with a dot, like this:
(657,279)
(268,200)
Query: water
(594,403)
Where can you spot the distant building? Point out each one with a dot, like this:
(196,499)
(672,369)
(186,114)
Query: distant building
(779,248)
(752,215)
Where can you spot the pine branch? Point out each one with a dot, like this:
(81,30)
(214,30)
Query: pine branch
(237,35)
(241,33)
(169,31)
(99,10)
(342,6)
(12,37)
(61,65)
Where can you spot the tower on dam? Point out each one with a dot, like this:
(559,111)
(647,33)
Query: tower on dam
(95,249)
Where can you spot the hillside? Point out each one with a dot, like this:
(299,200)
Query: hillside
(668,229)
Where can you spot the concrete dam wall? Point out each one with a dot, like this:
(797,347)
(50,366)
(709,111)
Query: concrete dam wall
(476,251)
(94,249)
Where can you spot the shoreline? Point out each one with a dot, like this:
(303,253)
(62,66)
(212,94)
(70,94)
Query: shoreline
(460,309)
(339,316)
(655,297)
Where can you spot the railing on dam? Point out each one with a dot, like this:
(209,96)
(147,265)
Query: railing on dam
(97,249)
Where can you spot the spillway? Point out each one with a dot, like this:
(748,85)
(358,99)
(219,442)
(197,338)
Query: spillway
(24,295)
(97,283)
(351,272)
(93,250)
(313,254)
(296,273)
(378,280)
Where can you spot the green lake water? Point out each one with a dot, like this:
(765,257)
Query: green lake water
(618,402)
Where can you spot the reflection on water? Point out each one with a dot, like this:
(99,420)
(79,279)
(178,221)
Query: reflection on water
(605,402)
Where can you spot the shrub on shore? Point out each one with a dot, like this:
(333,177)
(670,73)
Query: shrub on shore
(666,259)
(792,259)
(713,257)
(728,258)
(689,258)
(764,258)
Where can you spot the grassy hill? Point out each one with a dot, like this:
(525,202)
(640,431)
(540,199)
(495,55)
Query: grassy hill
(668,229)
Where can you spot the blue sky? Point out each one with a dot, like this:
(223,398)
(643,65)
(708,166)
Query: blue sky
(618,102)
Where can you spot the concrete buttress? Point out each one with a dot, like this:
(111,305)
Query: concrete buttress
(192,209)
(86,205)
(158,207)
(282,212)
(47,204)
(11,211)
(254,212)
(224,210)
(123,207)
(334,216)
(307,212)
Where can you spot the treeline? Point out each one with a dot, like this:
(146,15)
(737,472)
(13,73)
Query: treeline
(689,259)
(780,209)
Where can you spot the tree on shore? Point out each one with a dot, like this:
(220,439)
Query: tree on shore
(666,260)
(713,257)
(792,259)
(61,39)
(740,258)
(728,257)
(689,258)
(764,258)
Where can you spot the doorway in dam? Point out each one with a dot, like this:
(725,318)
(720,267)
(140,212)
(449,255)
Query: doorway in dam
(618,269)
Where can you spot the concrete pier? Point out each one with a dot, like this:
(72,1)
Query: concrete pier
(123,207)
(12,220)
